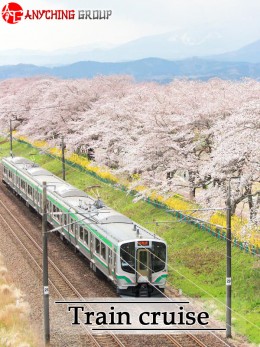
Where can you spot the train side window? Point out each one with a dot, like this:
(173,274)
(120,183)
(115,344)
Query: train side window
(97,246)
(37,198)
(58,216)
(29,190)
(54,210)
(23,186)
(72,226)
(56,213)
(10,174)
(66,221)
(103,250)
(81,232)
(40,199)
(86,236)
(5,171)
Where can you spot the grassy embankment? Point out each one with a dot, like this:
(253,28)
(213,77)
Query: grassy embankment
(15,330)
(197,261)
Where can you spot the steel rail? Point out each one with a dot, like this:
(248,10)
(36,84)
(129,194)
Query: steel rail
(58,271)
(75,291)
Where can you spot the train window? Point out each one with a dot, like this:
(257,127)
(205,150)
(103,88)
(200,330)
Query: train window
(10,174)
(66,221)
(97,246)
(81,232)
(86,236)
(103,250)
(158,256)
(59,215)
(40,199)
(37,198)
(143,260)
(29,190)
(72,226)
(5,171)
(54,211)
(127,255)
(23,185)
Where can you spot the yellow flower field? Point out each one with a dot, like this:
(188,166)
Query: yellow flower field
(175,202)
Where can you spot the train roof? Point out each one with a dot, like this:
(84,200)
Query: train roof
(116,226)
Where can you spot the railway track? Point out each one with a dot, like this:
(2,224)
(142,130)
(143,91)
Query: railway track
(62,286)
(186,340)
(64,289)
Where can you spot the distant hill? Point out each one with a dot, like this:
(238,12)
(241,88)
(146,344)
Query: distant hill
(150,69)
(175,45)
(249,53)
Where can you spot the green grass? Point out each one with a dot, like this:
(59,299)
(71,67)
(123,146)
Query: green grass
(197,261)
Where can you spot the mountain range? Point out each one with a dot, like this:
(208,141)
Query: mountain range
(169,46)
(249,53)
(149,69)
(177,56)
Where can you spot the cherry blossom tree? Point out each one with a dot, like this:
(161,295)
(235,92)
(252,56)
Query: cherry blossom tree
(205,131)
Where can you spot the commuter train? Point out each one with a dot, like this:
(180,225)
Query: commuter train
(132,257)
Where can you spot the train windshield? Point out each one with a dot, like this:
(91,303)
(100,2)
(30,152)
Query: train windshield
(127,255)
(155,256)
(158,256)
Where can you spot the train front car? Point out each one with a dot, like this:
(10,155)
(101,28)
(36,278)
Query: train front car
(142,267)
(130,256)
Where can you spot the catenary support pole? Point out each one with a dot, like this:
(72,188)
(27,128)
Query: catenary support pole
(63,158)
(11,138)
(45,267)
(228,273)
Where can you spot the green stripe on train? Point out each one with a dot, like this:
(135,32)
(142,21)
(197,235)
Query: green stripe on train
(124,278)
(160,278)
(102,238)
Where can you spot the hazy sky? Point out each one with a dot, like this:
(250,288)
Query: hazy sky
(236,20)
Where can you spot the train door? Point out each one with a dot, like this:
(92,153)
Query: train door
(143,266)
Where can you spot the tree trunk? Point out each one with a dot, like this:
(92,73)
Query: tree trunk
(192,187)
(192,193)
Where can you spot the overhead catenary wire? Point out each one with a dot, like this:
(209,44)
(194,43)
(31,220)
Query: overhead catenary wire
(152,270)
(169,266)
(167,297)
(182,274)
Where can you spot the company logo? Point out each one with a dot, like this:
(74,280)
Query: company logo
(12,13)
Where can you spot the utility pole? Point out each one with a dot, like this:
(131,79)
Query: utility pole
(63,158)
(11,138)
(228,273)
(45,266)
